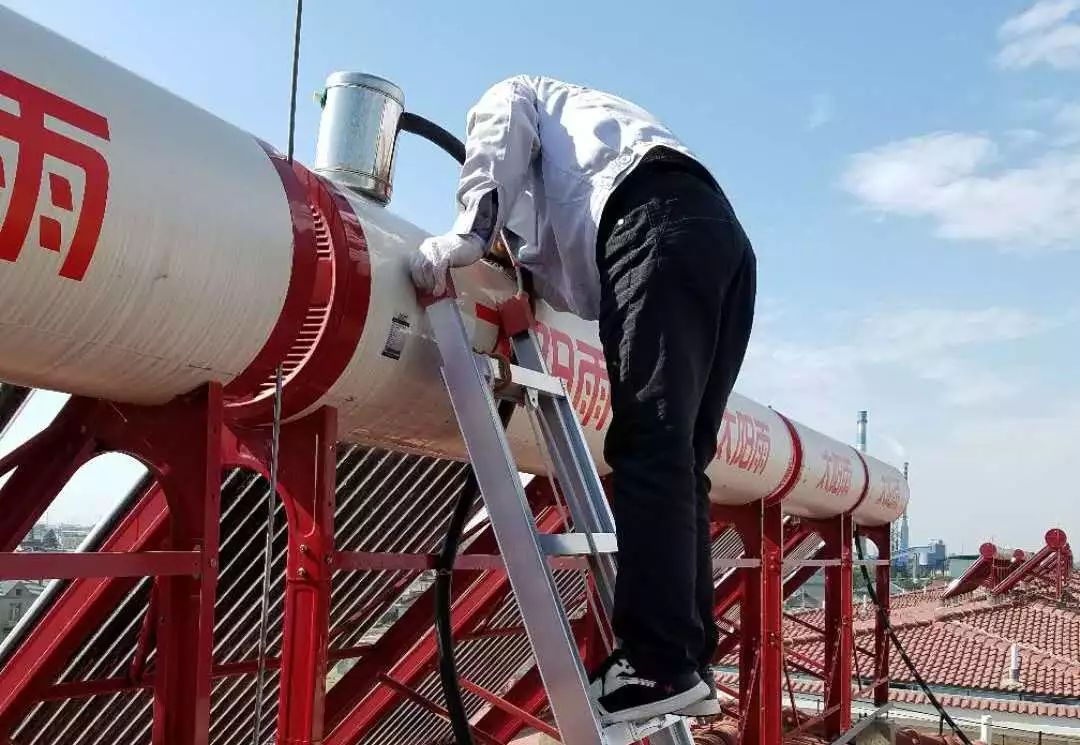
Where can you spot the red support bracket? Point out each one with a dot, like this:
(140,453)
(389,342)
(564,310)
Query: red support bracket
(837,534)
(185,445)
(761,622)
(882,588)
(306,484)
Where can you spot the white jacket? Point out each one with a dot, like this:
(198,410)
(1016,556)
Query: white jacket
(552,152)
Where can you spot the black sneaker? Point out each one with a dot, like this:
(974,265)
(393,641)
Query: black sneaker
(621,694)
(708,706)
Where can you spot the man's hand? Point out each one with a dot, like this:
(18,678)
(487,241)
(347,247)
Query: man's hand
(430,264)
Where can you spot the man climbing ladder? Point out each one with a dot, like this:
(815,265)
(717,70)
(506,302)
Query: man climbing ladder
(618,222)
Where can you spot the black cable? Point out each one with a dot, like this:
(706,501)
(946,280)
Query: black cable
(444,568)
(295,74)
(444,565)
(900,647)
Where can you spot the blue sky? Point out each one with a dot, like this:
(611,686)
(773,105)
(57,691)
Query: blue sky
(908,172)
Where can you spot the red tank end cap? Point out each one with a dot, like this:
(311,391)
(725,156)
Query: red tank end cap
(988,550)
(1055,538)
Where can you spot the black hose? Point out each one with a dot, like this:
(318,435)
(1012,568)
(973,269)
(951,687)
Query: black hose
(432,132)
(900,647)
(444,565)
(444,637)
(444,574)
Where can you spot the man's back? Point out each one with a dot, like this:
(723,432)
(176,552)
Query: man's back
(553,152)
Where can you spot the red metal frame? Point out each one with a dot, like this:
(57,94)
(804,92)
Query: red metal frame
(181,444)
(881,537)
(760,526)
(306,485)
(171,532)
(837,534)
(77,610)
(471,608)
(100,564)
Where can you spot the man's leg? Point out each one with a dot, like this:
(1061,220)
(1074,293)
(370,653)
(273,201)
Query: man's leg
(663,271)
(736,321)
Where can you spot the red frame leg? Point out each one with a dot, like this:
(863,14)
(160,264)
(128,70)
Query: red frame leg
(307,467)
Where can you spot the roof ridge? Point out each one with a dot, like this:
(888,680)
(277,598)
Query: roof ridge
(1045,654)
(951,700)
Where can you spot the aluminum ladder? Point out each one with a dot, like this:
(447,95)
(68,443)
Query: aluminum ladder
(470,379)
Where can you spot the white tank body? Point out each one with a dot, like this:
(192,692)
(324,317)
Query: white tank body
(146,245)
(186,252)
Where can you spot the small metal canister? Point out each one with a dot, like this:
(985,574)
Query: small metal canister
(358,132)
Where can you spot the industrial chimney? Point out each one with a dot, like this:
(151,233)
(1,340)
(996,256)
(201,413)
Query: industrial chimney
(860,434)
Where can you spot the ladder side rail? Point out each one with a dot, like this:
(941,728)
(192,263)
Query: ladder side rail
(512,522)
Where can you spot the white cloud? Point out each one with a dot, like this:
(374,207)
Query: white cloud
(917,345)
(916,332)
(981,439)
(999,473)
(1039,17)
(821,111)
(950,178)
(966,385)
(1067,120)
(1042,34)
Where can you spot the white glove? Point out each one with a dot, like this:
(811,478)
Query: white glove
(429,265)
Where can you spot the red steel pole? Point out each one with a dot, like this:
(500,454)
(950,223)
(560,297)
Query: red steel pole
(307,467)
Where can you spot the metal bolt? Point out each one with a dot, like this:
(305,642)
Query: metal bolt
(301,572)
(304,548)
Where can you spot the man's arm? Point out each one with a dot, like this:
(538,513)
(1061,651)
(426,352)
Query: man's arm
(502,138)
(501,141)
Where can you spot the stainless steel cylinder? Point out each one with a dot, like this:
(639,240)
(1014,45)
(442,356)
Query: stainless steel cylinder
(357,132)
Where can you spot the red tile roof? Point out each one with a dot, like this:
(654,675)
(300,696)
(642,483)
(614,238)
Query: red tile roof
(963,645)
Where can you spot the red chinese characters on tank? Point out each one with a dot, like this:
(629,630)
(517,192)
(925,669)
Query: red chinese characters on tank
(890,491)
(36,138)
(744,442)
(836,478)
(581,366)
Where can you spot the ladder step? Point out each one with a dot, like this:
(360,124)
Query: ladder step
(576,544)
(516,380)
(626,733)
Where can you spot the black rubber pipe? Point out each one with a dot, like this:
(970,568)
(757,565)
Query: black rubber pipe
(444,566)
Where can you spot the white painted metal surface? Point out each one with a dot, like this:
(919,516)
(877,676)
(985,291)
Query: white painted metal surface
(832,477)
(887,497)
(190,270)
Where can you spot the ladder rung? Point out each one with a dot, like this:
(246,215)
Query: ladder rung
(576,544)
(626,733)
(519,378)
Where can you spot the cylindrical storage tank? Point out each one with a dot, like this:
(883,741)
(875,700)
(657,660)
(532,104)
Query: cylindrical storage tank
(1055,539)
(145,245)
(887,496)
(831,480)
(755,454)
(147,248)
(357,132)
